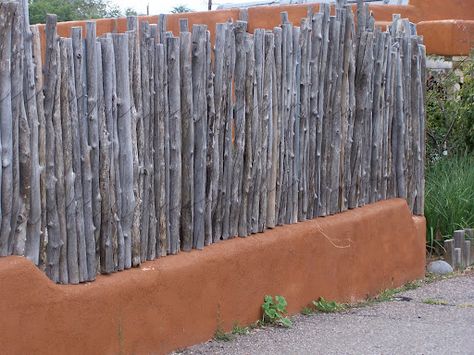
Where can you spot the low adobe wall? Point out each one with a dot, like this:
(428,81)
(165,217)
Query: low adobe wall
(458,39)
(180,300)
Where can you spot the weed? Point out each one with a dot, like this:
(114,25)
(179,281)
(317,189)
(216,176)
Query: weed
(325,306)
(306,311)
(274,311)
(435,302)
(238,330)
(221,335)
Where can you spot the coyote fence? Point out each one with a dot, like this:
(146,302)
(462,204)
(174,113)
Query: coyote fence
(136,145)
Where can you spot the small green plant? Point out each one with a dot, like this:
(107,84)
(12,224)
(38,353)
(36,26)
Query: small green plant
(449,199)
(306,311)
(325,306)
(274,311)
(221,335)
(435,302)
(238,330)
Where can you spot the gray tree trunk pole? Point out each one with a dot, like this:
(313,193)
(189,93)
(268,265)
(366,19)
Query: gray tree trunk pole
(187,139)
(303,153)
(211,144)
(257,144)
(420,187)
(21,140)
(59,172)
(93,127)
(329,83)
(51,80)
(277,164)
(239,134)
(144,144)
(348,99)
(33,233)
(336,127)
(199,81)
(246,199)
(267,208)
(108,230)
(219,57)
(124,128)
(160,166)
(152,217)
(294,140)
(260,204)
(138,134)
(285,117)
(7,14)
(101,121)
(86,242)
(67,95)
(86,161)
(399,122)
(38,74)
(377,119)
(174,95)
(73,141)
(323,70)
(228,126)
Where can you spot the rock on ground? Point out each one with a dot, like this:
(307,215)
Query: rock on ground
(439,267)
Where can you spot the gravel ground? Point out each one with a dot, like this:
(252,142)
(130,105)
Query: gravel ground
(404,325)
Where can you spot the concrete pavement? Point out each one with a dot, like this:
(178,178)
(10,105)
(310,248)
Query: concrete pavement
(437,318)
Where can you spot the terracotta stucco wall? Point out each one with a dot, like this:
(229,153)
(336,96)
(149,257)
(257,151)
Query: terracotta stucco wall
(181,300)
(441,36)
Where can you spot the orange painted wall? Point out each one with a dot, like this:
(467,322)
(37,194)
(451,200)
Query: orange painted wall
(181,300)
(456,38)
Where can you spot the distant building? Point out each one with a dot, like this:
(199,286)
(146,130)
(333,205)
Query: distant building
(246,4)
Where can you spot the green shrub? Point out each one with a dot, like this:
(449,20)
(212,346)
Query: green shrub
(450,111)
(449,201)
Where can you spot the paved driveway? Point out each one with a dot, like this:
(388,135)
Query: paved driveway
(437,318)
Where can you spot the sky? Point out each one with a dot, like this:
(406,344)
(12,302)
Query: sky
(165,6)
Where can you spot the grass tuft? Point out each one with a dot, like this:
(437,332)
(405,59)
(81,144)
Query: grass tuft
(449,199)
(435,302)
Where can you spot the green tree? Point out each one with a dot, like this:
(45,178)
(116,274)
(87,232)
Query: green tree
(70,10)
(130,12)
(180,9)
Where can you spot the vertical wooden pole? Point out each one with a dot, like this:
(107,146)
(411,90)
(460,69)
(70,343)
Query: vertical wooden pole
(124,127)
(174,95)
(187,139)
(93,127)
(199,116)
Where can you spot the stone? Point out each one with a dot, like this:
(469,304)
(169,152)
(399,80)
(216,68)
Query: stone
(439,267)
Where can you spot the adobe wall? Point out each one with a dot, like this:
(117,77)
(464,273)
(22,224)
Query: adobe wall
(455,38)
(181,300)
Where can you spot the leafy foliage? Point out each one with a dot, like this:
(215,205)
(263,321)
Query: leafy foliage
(69,10)
(325,306)
(180,9)
(274,311)
(449,201)
(450,111)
